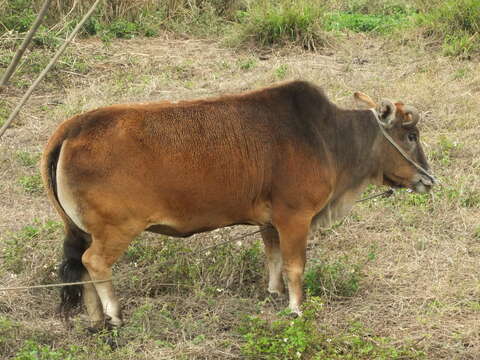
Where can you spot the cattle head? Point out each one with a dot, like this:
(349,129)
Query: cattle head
(399,122)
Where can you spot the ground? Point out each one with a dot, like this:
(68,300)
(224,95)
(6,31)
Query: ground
(416,255)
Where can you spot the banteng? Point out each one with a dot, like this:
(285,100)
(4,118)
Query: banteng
(283,156)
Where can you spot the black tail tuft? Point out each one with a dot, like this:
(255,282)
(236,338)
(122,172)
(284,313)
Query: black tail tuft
(72,269)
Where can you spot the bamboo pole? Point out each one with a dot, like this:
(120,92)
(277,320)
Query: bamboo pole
(18,55)
(47,68)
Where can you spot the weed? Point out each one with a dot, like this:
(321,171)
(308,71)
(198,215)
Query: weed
(444,150)
(45,38)
(268,23)
(35,351)
(4,112)
(476,233)
(299,338)
(470,198)
(457,23)
(460,73)
(122,28)
(283,338)
(418,200)
(247,64)
(357,22)
(18,15)
(28,159)
(31,184)
(338,279)
(18,245)
(281,72)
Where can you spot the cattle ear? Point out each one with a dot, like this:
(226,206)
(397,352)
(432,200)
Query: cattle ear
(411,116)
(365,99)
(387,112)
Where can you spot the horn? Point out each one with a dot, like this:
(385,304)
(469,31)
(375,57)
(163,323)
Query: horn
(387,114)
(359,96)
(412,116)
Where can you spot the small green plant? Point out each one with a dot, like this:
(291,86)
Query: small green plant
(443,152)
(462,45)
(28,159)
(470,198)
(32,350)
(247,64)
(281,72)
(379,23)
(476,233)
(283,338)
(417,200)
(335,280)
(460,73)
(32,184)
(20,243)
(3,112)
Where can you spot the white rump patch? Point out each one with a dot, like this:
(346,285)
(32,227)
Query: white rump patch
(65,195)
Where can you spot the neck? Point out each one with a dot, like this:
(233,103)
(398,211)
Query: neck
(357,149)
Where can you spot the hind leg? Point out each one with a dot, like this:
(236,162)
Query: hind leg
(92,303)
(107,246)
(274,260)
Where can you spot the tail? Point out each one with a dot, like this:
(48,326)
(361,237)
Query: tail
(76,240)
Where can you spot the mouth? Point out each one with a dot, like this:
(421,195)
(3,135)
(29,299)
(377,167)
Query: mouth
(421,185)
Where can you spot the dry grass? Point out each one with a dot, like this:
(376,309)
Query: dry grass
(421,284)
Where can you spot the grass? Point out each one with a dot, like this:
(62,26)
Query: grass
(333,280)
(307,23)
(31,184)
(457,24)
(299,338)
(358,22)
(269,23)
(20,244)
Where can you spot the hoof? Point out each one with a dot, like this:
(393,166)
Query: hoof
(113,322)
(295,311)
(276,291)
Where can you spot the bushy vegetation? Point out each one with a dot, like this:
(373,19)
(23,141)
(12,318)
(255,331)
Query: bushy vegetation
(456,23)
(268,23)
(307,23)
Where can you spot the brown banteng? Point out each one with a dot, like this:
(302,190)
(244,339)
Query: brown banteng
(284,156)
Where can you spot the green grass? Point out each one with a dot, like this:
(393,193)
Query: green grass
(445,150)
(28,159)
(272,23)
(19,245)
(333,280)
(214,271)
(265,23)
(357,22)
(32,350)
(247,64)
(456,23)
(300,338)
(281,72)
(4,111)
(31,184)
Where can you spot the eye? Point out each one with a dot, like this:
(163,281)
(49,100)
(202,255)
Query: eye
(412,137)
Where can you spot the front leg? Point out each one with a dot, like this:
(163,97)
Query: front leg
(293,231)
